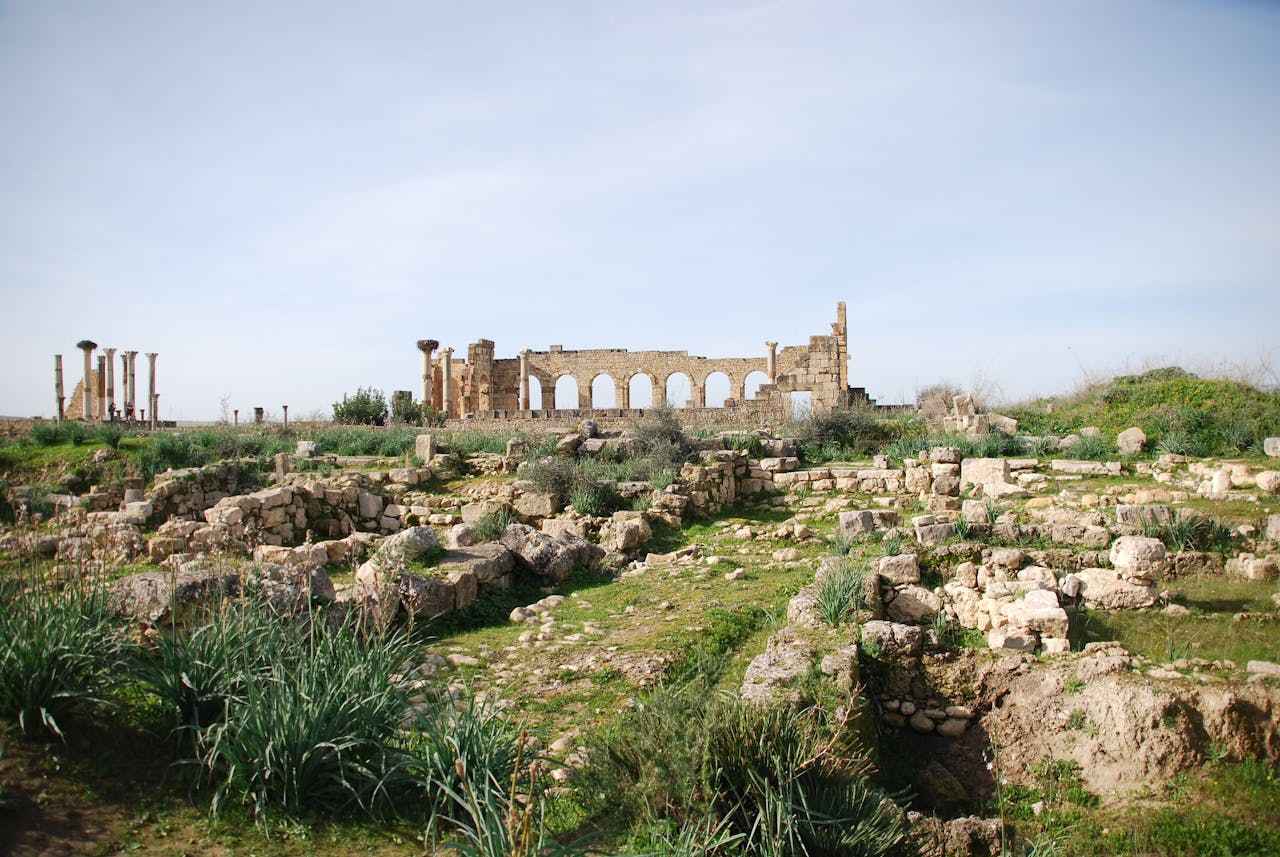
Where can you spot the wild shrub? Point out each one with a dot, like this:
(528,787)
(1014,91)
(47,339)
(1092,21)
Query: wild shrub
(490,527)
(49,434)
(595,498)
(659,437)
(60,650)
(840,593)
(109,434)
(843,431)
(556,475)
(366,406)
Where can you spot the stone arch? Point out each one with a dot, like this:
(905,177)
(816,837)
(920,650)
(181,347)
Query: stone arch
(535,393)
(566,393)
(678,388)
(641,395)
(604,391)
(752,383)
(717,387)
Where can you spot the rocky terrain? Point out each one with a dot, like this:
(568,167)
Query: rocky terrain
(1030,642)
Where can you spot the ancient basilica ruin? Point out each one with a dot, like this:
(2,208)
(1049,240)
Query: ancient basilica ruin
(487,387)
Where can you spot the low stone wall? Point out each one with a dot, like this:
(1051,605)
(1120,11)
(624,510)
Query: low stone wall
(187,493)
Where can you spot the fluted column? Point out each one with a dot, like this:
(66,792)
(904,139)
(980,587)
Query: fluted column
(524,380)
(772,368)
(111,383)
(151,385)
(446,377)
(86,400)
(57,387)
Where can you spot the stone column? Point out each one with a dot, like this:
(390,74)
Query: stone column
(235,417)
(111,383)
(524,380)
(102,388)
(258,414)
(659,393)
(151,384)
(427,346)
(286,415)
(155,411)
(624,393)
(446,378)
(132,402)
(772,368)
(86,400)
(57,386)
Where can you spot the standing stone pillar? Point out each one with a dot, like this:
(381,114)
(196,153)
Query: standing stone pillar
(700,394)
(155,411)
(102,387)
(57,387)
(624,393)
(772,368)
(111,383)
(524,380)
(258,414)
(151,384)
(446,378)
(659,390)
(286,415)
(235,417)
(427,346)
(131,402)
(86,387)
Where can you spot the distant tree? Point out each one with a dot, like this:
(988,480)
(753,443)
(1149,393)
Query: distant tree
(366,406)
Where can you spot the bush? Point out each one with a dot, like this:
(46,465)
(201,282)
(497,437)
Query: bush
(366,406)
(841,433)
(60,649)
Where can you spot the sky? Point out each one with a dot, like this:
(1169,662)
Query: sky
(281,198)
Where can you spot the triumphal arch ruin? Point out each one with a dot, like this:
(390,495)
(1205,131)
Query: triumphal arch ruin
(487,387)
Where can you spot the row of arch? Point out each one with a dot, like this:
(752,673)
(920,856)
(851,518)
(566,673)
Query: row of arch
(678,387)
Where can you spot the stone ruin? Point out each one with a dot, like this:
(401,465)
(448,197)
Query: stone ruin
(487,387)
(94,396)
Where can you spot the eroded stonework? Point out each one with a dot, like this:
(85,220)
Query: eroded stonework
(484,386)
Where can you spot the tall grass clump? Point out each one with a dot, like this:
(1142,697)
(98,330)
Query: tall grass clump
(777,780)
(196,672)
(1091,448)
(60,651)
(314,731)
(840,592)
(1188,532)
(490,527)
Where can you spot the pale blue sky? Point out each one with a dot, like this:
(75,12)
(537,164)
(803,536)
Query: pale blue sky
(281,198)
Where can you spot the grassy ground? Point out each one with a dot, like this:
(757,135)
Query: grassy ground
(1224,810)
(1210,631)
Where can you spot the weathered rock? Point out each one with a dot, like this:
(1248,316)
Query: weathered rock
(1271,447)
(161,598)
(536,504)
(625,532)
(407,546)
(1131,441)
(1139,557)
(1269,481)
(555,558)
(775,674)
(903,568)
(1107,590)
(891,640)
(863,521)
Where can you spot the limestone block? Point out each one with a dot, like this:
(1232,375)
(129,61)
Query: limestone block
(913,604)
(1107,590)
(424,447)
(1273,528)
(1271,446)
(1269,481)
(891,639)
(900,569)
(1131,441)
(368,505)
(1138,557)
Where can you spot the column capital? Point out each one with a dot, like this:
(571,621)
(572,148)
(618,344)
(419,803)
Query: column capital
(448,352)
(86,345)
(427,345)
(771,345)
(152,355)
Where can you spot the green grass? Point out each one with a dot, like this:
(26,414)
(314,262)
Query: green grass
(1208,632)
(1178,412)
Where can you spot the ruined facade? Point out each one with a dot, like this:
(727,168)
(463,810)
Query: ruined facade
(485,386)
(94,396)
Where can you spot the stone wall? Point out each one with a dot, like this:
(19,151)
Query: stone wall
(482,384)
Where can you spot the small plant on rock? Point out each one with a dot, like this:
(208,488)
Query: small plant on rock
(490,527)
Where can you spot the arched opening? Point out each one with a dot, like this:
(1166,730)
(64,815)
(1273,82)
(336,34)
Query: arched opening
(566,393)
(753,383)
(535,394)
(604,391)
(718,387)
(679,390)
(640,390)
(801,404)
